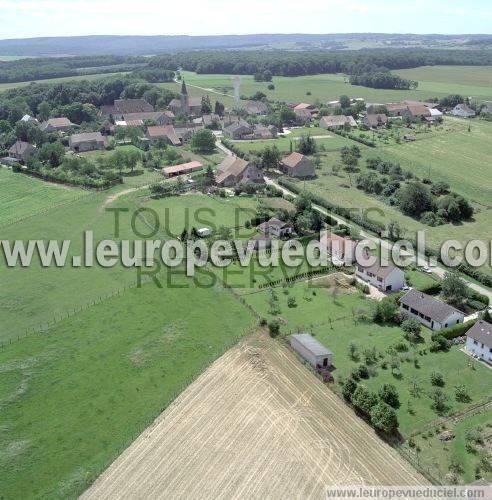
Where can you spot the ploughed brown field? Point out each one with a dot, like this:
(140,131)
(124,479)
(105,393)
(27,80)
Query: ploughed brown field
(256,424)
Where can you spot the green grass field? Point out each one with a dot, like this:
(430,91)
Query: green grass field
(324,140)
(35,296)
(328,87)
(469,81)
(76,395)
(22,196)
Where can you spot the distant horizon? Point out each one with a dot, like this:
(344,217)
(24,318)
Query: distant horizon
(409,33)
(55,18)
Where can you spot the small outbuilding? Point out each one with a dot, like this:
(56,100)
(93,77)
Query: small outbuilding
(204,232)
(310,349)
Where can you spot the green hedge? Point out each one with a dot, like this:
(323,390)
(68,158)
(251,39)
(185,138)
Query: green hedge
(456,330)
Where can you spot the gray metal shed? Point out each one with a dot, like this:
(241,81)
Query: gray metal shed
(313,351)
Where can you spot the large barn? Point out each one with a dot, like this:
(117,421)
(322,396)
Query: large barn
(313,351)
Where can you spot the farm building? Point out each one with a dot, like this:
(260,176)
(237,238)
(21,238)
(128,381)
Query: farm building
(240,129)
(256,108)
(375,120)
(88,141)
(313,351)
(432,313)
(165,133)
(21,150)
(297,165)
(387,278)
(159,117)
(463,110)
(479,341)
(234,170)
(57,125)
(121,107)
(182,168)
(336,122)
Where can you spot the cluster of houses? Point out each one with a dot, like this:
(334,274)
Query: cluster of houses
(413,111)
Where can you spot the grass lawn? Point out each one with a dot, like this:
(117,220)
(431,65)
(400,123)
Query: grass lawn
(22,196)
(75,396)
(419,280)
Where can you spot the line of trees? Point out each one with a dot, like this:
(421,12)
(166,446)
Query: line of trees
(23,70)
(296,63)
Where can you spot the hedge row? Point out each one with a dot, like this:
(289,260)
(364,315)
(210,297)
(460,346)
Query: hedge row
(353,137)
(481,277)
(456,330)
(296,277)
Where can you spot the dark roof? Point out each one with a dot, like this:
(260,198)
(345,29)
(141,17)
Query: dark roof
(273,222)
(429,306)
(313,345)
(379,270)
(376,119)
(87,137)
(184,90)
(125,106)
(294,159)
(481,331)
(20,147)
(233,168)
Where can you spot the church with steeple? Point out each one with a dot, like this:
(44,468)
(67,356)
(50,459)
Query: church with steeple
(186,105)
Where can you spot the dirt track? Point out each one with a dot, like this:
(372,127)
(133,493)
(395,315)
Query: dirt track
(256,424)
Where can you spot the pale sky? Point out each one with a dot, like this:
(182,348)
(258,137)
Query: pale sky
(31,18)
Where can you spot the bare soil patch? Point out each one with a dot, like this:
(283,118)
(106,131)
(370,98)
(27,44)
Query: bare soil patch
(256,424)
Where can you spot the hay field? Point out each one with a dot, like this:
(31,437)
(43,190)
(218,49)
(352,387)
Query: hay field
(256,424)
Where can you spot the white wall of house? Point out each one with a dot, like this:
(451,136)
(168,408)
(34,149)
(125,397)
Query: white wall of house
(451,320)
(483,351)
(393,282)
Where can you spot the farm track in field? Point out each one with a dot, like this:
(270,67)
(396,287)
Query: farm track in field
(256,424)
